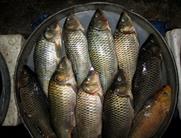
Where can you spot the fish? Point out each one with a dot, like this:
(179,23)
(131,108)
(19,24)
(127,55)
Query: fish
(47,54)
(76,47)
(34,103)
(118,112)
(152,115)
(147,78)
(62,99)
(89,107)
(101,49)
(127,47)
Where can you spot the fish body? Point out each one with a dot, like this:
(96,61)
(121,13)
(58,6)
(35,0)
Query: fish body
(101,49)
(47,55)
(62,99)
(34,103)
(76,47)
(147,79)
(127,47)
(89,107)
(118,112)
(150,118)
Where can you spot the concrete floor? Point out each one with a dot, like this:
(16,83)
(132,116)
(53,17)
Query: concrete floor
(17,16)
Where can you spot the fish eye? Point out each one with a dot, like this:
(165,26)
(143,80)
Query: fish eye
(122,20)
(165,93)
(24,73)
(68,19)
(96,16)
(48,35)
(152,41)
(119,79)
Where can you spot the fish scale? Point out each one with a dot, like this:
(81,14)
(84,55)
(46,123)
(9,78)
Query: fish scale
(118,112)
(127,52)
(89,111)
(47,54)
(148,83)
(77,51)
(45,67)
(34,103)
(151,117)
(127,47)
(29,107)
(101,49)
(62,99)
(102,55)
(147,79)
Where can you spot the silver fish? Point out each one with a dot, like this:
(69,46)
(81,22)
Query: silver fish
(127,47)
(101,49)
(76,47)
(118,111)
(34,103)
(47,55)
(89,107)
(62,99)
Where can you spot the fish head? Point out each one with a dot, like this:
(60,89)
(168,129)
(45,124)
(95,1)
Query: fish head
(119,86)
(53,33)
(99,21)
(125,24)
(91,84)
(152,47)
(63,71)
(25,76)
(72,23)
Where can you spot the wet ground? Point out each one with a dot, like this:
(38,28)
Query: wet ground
(17,17)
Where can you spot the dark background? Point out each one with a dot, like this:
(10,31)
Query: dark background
(18,16)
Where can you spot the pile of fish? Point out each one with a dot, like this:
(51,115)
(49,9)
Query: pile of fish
(105,86)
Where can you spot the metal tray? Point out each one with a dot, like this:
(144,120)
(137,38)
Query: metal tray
(112,11)
(5,89)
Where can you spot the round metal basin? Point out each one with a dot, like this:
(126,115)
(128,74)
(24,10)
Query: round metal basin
(112,11)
